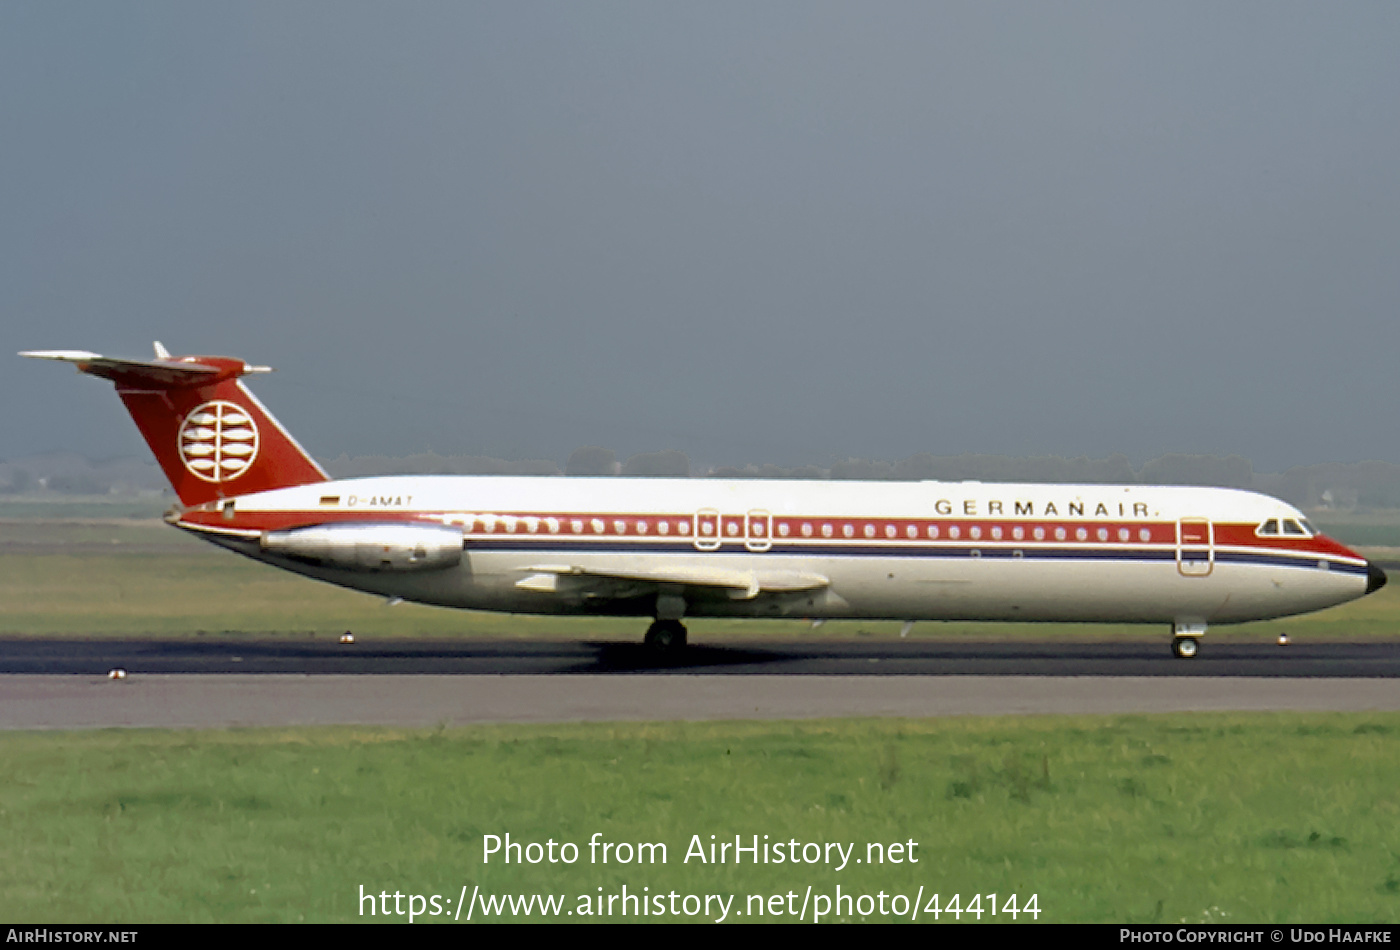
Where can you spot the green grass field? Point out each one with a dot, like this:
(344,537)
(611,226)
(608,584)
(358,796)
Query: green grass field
(53,505)
(1200,818)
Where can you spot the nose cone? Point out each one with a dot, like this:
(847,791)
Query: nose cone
(1375,577)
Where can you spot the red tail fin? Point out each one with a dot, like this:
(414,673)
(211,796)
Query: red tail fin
(210,434)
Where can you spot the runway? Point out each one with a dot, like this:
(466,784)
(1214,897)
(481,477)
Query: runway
(240,699)
(1149,657)
(61,684)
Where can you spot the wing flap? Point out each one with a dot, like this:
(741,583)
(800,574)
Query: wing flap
(740,585)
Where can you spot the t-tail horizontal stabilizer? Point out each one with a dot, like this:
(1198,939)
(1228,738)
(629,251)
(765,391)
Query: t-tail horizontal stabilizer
(211,436)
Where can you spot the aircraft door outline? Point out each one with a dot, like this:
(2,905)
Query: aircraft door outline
(1195,547)
(758,530)
(707,535)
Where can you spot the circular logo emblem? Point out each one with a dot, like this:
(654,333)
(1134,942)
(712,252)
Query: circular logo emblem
(218,441)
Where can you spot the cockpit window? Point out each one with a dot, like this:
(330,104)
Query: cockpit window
(1294,528)
(1269,527)
(1307,526)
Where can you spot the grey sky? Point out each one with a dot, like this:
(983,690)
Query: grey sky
(755,232)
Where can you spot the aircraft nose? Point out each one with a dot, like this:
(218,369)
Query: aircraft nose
(1375,577)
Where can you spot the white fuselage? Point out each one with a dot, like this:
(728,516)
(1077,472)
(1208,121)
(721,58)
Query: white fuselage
(829,549)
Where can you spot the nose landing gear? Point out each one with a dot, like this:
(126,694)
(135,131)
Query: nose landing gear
(1186,641)
(1184,647)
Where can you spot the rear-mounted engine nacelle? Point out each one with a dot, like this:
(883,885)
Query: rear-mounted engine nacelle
(370,547)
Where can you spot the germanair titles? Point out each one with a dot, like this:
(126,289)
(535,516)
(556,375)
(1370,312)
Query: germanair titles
(1031,509)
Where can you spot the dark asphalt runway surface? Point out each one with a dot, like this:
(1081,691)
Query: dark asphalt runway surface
(65,684)
(1149,658)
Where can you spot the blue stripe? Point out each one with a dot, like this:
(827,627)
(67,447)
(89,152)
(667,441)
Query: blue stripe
(550,546)
(1306,561)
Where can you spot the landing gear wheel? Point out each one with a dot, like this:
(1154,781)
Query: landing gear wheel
(666,636)
(1185,647)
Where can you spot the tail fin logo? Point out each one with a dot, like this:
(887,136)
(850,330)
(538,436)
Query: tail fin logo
(218,441)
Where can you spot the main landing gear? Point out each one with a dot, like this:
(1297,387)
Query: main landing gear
(666,636)
(1187,639)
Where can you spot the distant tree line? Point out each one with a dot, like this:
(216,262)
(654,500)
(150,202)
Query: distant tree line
(67,473)
(430,463)
(1331,485)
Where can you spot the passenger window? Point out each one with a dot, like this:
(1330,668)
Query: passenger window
(1292,527)
(1268,527)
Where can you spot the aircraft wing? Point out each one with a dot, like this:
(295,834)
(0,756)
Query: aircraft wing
(739,585)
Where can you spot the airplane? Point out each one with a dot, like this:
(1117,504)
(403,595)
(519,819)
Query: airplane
(670,549)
